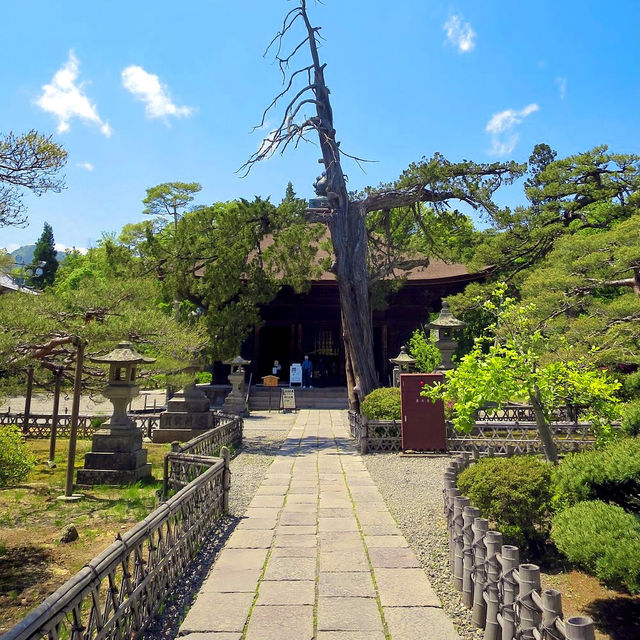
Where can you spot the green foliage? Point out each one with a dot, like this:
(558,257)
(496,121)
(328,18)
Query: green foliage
(204,377)
(630,422)
(28,161)
(45,252)
(382,404)
(514,493)
(16,461)
(509,364)
(632,385)
(603,539)
(611,474)
(170,199)
(424,350)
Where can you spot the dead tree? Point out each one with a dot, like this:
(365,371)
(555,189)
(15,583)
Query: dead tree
(345,218)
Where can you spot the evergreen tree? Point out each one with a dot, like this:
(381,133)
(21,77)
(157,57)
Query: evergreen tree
(45,252)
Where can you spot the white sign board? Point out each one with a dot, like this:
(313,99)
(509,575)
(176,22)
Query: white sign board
(288,399)
(295,374)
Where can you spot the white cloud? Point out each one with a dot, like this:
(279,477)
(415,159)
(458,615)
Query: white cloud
(86,165)
(148,88)
(561,83)
(503,122)
(460,34)
(266,150)
(64,97)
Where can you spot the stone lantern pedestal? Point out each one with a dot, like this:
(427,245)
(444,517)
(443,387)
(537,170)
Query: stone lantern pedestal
(235,402)
(188,415)
(116,455)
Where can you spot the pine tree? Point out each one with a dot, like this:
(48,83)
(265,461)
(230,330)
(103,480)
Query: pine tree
(45,252)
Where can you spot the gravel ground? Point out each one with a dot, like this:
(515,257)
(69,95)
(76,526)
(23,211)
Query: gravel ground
(412,488)
(247,470)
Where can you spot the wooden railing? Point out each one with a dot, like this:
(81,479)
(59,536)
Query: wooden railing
(186,461)
(116,595)
(503,594)
(495,437)
(39,425)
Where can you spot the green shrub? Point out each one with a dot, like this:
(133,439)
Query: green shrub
(603,539)
(632,385)
(16,460)
(611,474)
(514,493)
(382,404)
(204,377)
(630,422)
(424,350)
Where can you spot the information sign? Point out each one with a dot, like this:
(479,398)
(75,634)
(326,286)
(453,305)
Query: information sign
(295,374)
(288,399)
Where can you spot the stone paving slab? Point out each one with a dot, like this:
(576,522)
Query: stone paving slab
(317,555)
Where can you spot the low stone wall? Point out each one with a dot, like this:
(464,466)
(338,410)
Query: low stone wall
(504,594)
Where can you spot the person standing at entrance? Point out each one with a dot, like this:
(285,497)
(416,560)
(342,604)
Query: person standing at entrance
(307,372)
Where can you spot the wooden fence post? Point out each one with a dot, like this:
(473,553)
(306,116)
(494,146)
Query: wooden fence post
(459,503)
(226,478)
(579,628)
(510,561)
(493,543)
(469,514)
(450,495)
(551,609)
(530,616)
(478,615)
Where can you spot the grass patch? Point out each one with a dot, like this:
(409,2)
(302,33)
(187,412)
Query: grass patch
(35,563)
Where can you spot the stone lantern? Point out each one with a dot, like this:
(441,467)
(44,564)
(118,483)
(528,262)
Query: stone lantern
(235,402)
(116,455)
(404,363)
(445,324)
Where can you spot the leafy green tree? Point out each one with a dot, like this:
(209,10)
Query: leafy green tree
(45,258)
(29,161)
(515,367)
(424,350)
(170,199)
(587,294)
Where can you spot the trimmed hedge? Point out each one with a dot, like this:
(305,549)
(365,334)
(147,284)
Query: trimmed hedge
(603,539)
(611,474)
(513,492)
(382,404)
(630,423)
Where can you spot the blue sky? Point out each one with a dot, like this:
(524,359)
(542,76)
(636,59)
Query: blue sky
(146,92)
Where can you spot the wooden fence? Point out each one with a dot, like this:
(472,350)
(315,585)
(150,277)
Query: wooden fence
(503,594)
(116,595)
(498,437)
(187,461)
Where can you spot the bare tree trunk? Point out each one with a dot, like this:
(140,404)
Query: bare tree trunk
(544,431)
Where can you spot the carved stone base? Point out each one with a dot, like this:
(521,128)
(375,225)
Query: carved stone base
(187,416)
(116,457)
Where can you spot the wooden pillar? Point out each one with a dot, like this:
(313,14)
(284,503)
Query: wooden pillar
(385,355)
(75,410)
(54,417)
(27,402)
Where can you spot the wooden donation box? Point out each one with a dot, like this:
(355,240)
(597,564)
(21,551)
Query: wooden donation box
(270,381)
(423,426)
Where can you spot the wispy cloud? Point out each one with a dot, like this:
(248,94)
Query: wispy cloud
(561,83)
(85,165)
(460,34)
(147,87)
(501,125)
(63,247)
(64,97)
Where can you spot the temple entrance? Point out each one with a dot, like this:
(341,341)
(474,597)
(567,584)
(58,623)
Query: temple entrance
(324,347)
(274,344)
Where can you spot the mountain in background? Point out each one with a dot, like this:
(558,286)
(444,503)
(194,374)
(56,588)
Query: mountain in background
(24,254)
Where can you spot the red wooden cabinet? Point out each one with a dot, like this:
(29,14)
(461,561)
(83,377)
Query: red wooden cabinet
(423,426)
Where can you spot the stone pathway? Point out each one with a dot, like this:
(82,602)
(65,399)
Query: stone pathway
(317,555)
